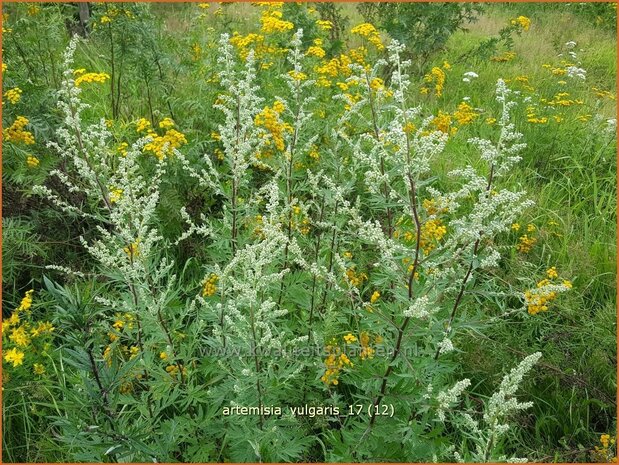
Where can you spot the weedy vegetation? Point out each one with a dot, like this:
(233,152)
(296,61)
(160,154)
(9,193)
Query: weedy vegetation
(325,232)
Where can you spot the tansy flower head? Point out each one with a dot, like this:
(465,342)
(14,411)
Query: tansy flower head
(209,288)
(522,21)
(91,77)
(16,133)
(142,125)
(166,123)
(368,31)
(13,95)
(32,161)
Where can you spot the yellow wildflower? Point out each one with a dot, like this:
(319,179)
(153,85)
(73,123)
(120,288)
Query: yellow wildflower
(272,21)
(26,302)
(20,337)
(436,76)
(525,243)
(14,356)
(32,161)
(465,114)
(522,21)
(368,31)
(166,123)
(552,272)
(13,95)
(324,25)
(115,195)
(209,288)
(91,77)
(132,250)
(142,125)
(15,133)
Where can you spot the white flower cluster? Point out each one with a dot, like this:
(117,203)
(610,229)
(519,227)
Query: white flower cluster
(449,397)
(487,432)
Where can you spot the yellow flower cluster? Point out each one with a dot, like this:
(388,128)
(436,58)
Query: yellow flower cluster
(524,81)
(173,370)
(83,77)
(465,114)
(15,132)
(297,75)
(432,231)
(337,66)
(432,207)
(209,288)
(358,54)
(538,300)
(272,21)
(324,24)
(368,31)
(354,278)
(122,321)
(316,49)
(13,95)
(5,18)
(605,452)
(22,331)
(375,296)
(163,145)
(142,125)
(436,76)
(245,43)
(26,302)
(366,350)
(299,221)
(314,153)
(196,52)
(166,123)
(335,362)
(522,21)
(349,338)
(561,100)
(112,13)
(115,194)
(20,337)
(525,242)
(14,356)
(269,118)
(442,122)
(533,118)
(32,161)
(133,249)
(506,56)
(122,149)
(601,93)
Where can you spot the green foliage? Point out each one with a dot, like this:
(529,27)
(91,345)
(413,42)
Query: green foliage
(144,356)
(423,27)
